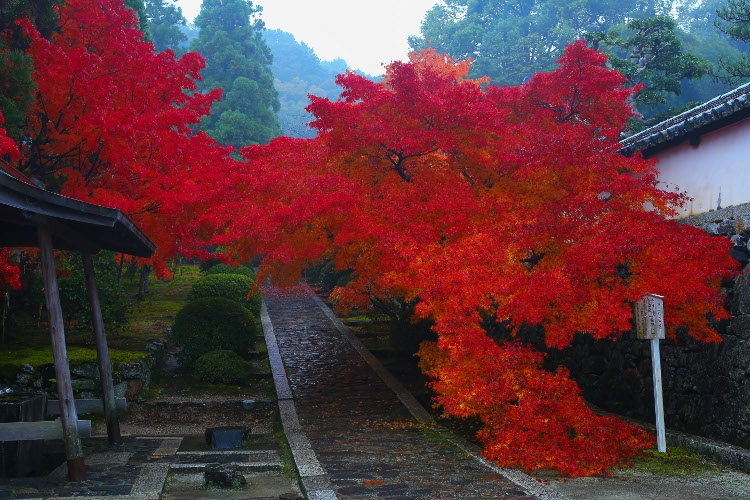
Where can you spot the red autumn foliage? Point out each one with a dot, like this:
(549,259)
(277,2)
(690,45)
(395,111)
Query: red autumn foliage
(7,146)
(10,274)
(504,203)
(111,124)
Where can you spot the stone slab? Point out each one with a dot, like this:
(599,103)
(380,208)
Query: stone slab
(151,479)
(168,446)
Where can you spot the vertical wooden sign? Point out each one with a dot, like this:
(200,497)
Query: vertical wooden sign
(649,325)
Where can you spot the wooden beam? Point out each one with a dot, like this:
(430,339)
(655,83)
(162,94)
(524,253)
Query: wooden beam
(46,429)
(85,406)
(102,352)
(68,415)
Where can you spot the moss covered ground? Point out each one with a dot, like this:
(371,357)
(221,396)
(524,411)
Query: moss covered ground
(148,320)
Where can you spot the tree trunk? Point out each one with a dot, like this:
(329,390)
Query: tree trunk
(143,287)
(6,307)
(119,270)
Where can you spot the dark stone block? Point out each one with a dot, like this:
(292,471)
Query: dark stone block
(741,326)
(740,254)
(220,438)
(216,476)
(290,496)
(21,458)
(251,404)
(726,227)
(131,371)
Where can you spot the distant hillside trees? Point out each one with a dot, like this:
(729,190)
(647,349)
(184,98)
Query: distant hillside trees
(298,72)
(238,61)
(164,20)
(511,40)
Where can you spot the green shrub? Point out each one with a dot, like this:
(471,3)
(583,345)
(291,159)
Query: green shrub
(212,323)
(324,273)
(71,284)
(229,286)
(227,269)
(220,367)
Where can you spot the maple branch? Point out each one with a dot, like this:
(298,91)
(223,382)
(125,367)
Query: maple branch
(400,157)
(151,207)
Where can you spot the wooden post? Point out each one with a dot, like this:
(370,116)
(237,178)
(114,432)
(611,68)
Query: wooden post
(649,316)
(68,415)
(661,439)
(102,352)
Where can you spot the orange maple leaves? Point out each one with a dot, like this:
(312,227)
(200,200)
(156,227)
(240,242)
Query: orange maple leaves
(503,203)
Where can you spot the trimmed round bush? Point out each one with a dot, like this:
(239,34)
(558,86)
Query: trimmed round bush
(229,286)
(220,367)
(227,269)
(212,323)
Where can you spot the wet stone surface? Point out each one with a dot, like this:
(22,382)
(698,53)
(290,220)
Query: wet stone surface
(365,438)
(113,475)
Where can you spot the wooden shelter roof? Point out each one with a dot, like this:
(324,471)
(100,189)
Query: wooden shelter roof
(75,225)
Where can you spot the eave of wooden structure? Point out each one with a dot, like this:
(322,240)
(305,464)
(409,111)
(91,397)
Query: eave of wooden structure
(33,217)
(75,225)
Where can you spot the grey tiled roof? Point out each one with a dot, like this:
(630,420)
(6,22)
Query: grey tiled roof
(699,117)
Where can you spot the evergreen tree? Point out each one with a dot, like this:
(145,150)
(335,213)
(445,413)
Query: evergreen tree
(239,62)
(511,40)
(734,21)
(16,86)
(140,12)
(164,20)
(647,52)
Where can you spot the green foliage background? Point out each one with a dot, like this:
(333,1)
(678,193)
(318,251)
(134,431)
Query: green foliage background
(238,61)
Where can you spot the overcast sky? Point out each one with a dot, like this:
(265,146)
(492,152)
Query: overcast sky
(366,33)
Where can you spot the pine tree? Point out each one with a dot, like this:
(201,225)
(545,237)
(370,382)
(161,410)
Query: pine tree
(238,62)
(734,21)
(165,19)
(16,85)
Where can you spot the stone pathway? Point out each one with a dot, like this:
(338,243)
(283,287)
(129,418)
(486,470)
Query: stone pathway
(366,441)
(139,468)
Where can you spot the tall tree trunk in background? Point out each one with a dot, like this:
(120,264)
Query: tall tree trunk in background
(119,269)
(143,287)
(6,308)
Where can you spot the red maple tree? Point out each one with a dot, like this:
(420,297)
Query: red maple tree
(111,124)
(482,203)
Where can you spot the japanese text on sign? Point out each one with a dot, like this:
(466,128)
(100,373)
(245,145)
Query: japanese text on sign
(649,317)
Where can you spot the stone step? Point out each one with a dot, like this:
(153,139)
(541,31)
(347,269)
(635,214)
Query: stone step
(191,468)
(247,457)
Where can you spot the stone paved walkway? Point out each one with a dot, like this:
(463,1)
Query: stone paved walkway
(365,438)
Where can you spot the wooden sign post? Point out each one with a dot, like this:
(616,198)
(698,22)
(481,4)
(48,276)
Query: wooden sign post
(649,321)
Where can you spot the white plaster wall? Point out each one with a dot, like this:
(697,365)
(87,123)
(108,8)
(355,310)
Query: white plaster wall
(718,166)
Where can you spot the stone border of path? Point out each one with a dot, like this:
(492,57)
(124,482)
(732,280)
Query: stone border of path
(417,410)
(315,481)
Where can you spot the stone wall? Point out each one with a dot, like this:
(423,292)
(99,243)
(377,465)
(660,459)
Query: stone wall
(130,379)
(706,386)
